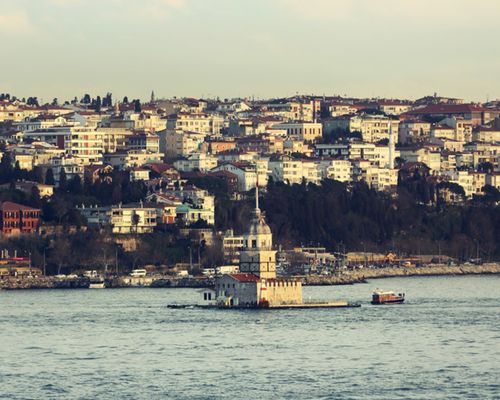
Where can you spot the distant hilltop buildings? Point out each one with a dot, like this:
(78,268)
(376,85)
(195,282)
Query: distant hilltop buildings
(166,143)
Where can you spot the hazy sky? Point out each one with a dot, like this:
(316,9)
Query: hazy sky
(387,48)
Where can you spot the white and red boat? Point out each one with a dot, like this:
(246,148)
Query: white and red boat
(382,297)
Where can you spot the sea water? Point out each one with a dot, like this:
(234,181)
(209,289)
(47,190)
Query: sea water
(443,343)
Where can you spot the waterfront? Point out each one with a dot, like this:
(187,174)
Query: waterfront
(443,343)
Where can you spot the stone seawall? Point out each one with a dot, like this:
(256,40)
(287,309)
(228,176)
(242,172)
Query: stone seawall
(42,282)
(361,275)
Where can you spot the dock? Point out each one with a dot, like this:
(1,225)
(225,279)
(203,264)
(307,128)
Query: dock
(330,304)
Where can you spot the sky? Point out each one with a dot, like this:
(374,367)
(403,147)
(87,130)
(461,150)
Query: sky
(243,48)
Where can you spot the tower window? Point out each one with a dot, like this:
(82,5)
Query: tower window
(254,243)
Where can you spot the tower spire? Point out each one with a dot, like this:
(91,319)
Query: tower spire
(257,193)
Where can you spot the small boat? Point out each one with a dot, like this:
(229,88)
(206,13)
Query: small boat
(190,306)
(97,282)
(381,297)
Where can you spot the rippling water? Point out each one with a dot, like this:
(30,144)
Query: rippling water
(107,344)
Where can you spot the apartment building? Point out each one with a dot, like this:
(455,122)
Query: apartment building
(179,142)
(306,131)
(208,124)
(336,169)
(196,162)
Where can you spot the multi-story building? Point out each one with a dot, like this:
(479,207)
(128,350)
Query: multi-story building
(414,131)
(245,171)
(81,142)
(306,131)
(176,143)
(486,134)
(132,218)
(115,139)
(336,169)
(131,158)
(393,107)
(196,162)
(373,128)
(208,124)
(380,178)
(144,140)
(284,168)
(18,219)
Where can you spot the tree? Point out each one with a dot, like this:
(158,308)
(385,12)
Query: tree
(32,101)
(37,174)
(6,171)
(34,199)
(125,100)
(49,177)
(55,102)
(137,106)
(75,185)
(98,104)
(136,219)
(63,180)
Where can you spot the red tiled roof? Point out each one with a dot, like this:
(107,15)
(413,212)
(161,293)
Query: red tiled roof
(448,109)
(9,206)
(245,277)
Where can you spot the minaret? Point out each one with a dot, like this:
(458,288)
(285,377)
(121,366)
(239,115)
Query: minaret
(117,109)
(391,146)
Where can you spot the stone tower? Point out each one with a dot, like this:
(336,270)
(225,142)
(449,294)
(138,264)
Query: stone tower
(257,256)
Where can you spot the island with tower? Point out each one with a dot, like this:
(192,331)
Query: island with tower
(256,285)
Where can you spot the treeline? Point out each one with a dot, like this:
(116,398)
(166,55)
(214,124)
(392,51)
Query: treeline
(357,217)
(354,217)
(100,250)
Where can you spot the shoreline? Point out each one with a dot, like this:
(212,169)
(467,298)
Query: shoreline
(344,278)
(362,275)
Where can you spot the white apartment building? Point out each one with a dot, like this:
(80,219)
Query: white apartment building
(443,132)
(339,109)
(246,173)
(486,134)
(336,169)
(132,219)
(413,131)
(373,128)
(196,162)
(179,142)
(462,178)
(115,139)
(311,171)
(285,168)
(131,158)
(81,142)
(41,122)
(306,131)
(380,178)
(393,107)
(294,110)
(424,155)
(208,124)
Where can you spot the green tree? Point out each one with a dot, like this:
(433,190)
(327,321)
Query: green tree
(63,180)
(49,177)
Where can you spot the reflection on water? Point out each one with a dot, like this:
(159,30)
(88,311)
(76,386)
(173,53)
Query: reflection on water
(107,344)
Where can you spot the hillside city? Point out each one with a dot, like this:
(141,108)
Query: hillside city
(168,184)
